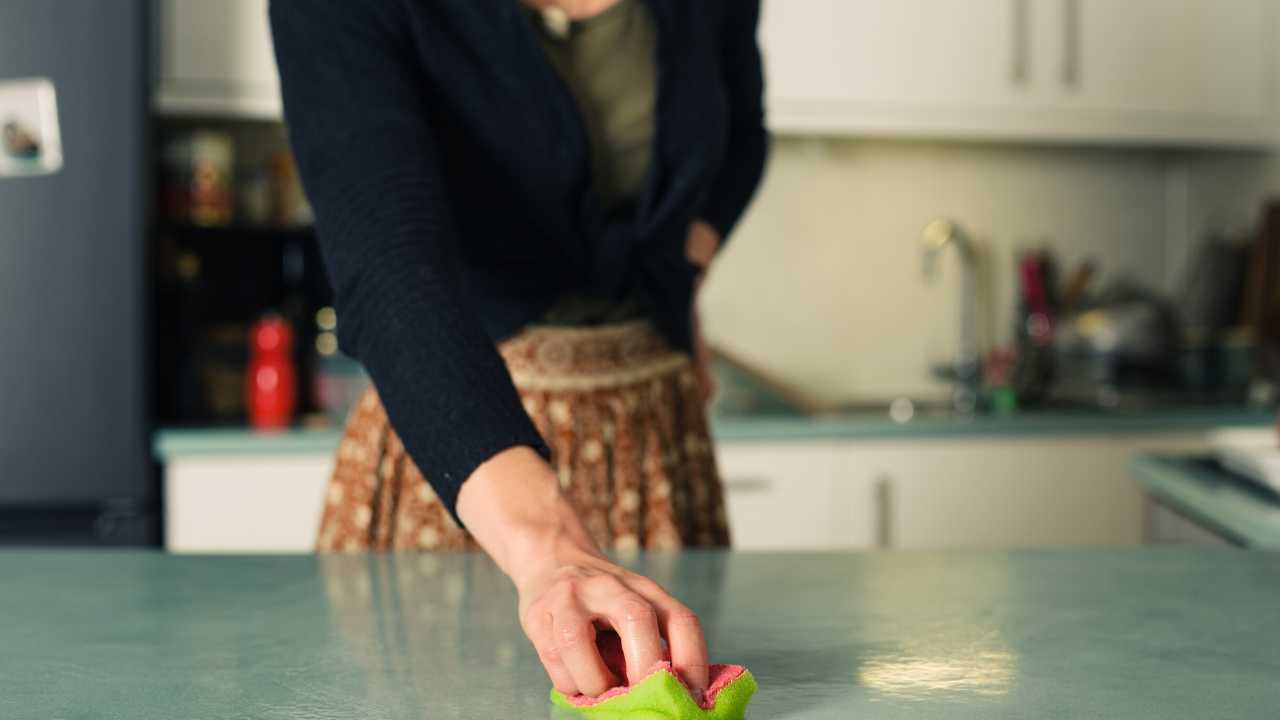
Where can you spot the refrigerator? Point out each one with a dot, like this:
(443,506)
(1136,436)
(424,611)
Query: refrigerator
(75,465)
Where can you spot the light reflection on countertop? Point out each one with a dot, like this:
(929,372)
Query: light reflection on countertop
(921,677)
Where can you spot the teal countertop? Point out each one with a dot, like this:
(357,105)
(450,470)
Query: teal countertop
(169,443)
(1229,506)
(1166,634)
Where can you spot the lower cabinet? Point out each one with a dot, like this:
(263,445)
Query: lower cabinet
(244,504)
(792,496)
(783,495)
(937,493)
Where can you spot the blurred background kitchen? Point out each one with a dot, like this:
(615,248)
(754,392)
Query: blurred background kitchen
(1013,279)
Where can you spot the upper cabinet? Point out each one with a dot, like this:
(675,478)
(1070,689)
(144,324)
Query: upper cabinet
(1170,72)
(215,58)
(1170,68)
(1187,72)
(833,59)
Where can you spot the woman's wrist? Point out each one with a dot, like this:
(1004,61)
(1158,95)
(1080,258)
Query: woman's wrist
(513,507)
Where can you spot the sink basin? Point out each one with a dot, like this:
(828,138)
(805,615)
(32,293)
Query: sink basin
(747,391)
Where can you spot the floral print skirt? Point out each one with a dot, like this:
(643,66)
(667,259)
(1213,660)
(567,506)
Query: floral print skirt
(626,426)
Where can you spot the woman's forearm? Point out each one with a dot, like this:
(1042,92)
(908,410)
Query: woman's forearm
(513,507)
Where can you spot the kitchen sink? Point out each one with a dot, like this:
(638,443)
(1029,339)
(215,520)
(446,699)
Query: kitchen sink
(746,391)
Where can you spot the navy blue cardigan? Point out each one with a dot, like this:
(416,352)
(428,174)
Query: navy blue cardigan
(451,178)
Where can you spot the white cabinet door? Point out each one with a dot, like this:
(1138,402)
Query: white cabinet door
(843,65)
(216,57)
(245,504)
(1188,72)
(1167,68)
(1009,492)
(780,496)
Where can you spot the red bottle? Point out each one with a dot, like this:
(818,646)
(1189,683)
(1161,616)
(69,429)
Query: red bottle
(272,383)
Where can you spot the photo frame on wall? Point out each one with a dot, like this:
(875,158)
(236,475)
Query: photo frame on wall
(30,141)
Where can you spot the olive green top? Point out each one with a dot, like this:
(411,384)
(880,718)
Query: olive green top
(608,63)
(1130,634)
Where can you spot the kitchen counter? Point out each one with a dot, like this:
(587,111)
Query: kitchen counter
(1224,504)
(1168,633)
(171,442)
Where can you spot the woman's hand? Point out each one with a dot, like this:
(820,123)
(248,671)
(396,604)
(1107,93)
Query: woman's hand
(700,248)
(565,600)
(568,589)
(702,244)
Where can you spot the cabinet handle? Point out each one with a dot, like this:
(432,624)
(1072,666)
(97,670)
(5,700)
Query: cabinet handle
(748,484)
(1071,10)
(1021,67)
(883,492)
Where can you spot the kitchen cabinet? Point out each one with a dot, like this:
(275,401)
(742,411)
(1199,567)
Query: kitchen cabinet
(780,496)
(1169,68)
(1175,56)
(244,503)
(790,496)
(862,62)
(937,493)
(995,490)
(1181,72)
(1007,492)
(1175,72)
(215,58)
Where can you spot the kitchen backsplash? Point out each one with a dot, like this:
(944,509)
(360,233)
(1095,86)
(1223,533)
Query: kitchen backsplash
(823,285)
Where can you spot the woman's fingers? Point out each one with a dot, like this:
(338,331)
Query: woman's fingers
(683,631)
(636,622)
(688,646)
(540,631)
(632,617)
(575,637)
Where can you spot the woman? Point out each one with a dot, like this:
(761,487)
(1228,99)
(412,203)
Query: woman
(516,200)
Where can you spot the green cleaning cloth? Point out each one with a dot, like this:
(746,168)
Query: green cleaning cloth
(661,695)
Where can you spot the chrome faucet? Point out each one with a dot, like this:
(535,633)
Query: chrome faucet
(966,371)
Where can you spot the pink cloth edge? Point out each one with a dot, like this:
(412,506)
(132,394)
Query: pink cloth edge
(721,677)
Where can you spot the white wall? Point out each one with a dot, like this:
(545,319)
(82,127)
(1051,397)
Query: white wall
(822,285)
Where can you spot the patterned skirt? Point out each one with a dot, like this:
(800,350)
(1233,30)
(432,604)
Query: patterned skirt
(627,430)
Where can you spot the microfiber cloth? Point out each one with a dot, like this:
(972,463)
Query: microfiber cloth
(662,695)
